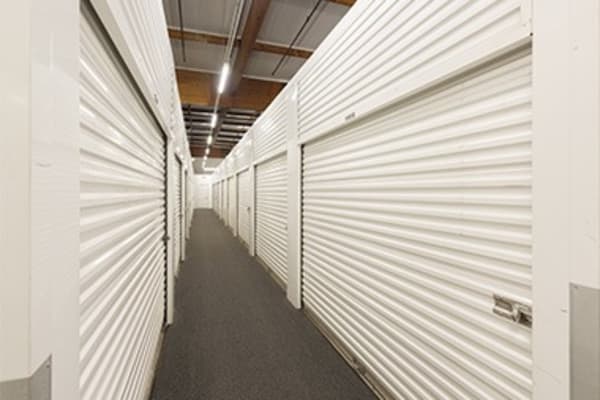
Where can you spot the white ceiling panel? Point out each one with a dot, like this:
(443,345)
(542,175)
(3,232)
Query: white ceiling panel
(285,17)
(204,15)
(198,55)
(262,64)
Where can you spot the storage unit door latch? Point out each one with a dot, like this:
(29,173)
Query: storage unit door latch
(513,310)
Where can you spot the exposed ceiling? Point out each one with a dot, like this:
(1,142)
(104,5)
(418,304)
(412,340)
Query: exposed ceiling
(262,60)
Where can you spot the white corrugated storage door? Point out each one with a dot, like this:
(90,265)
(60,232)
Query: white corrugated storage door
(271,215)
(232,218)
(244,206)
(177,228)
(122,227)
(412,220)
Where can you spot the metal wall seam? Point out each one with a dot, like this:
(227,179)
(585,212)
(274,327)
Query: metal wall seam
(271,215)
(122,226)
(244,206)
(413,219)
(377,62)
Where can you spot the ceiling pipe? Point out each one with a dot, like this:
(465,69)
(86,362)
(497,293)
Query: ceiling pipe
(227,59)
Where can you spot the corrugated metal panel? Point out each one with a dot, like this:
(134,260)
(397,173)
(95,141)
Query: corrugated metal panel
(245,206)
(412,219)
(140,33)
(243,153)
(232,203)
(269,130)
(177,214)
(271,215)
(393,48)
(122,253)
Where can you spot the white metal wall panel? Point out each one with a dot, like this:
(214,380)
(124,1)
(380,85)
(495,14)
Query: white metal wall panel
(269,130)
(243,152)
(271,215)
(177,214)
(244,206)
(232,202)
(122,253)
(412,220)
(393,48)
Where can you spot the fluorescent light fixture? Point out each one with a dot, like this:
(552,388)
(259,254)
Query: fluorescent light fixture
(223,79)
(213,120)
(209,140)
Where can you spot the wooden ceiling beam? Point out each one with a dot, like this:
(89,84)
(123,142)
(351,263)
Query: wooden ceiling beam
(199,151)
(199,88)
(256,16)
(213,38)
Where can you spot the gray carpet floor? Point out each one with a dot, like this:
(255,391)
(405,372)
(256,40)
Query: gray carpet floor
(236,337)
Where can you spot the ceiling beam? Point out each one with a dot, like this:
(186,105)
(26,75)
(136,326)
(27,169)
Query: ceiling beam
(256,15)
(199,151)
(213,38)
(199,88)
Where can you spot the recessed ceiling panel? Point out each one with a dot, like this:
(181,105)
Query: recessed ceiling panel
(262,64)
(204,15)
(285,17)
(198,55)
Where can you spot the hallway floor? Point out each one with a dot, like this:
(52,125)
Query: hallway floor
(235,335)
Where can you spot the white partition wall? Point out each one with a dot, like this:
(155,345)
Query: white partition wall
(271,215)
(441,219)
(244,206)
(123,223)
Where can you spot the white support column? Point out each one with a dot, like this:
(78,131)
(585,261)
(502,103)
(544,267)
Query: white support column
(170,312)
(583,105)
(294,167)
(15,198)
(252,172)
(184,216)
(550,201)
(566,199)
(236,187)
(39,203)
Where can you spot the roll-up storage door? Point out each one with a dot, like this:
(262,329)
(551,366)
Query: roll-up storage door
(232,218)
(244,206)
(122,253)
(177,204)
(413,220)
(271,215)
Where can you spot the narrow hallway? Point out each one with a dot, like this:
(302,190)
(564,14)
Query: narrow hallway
(236,336)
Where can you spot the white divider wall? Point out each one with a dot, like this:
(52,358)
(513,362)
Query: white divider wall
(122,226)
(61,192)
(371,62)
